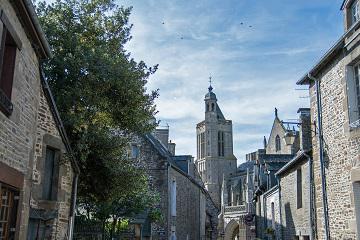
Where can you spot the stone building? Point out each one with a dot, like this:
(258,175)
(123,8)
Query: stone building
(229,186)
(335,109)
(215,157)
(236,217)
(279,149)
(37,174)
(187,209)
(296,188)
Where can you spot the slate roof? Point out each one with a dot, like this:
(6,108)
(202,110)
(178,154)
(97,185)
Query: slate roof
(182,162)
(246,165)
(301,156)
(29,19)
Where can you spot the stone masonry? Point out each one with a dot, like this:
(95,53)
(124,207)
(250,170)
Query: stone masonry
(341,141)
(23,133)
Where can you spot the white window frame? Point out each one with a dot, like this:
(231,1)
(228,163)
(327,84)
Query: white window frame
(353,94)
(354,10)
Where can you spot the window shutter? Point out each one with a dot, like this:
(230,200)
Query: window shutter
(351,94)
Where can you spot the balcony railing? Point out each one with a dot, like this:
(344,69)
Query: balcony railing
(235,209)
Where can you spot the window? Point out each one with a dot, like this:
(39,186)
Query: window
(36,230)
(272,215)
(353,94)
(212,107)
(8,49)
(277,143)
(356,194)
(173,198)
(8,211)
(134,151)
(202,145)
(298,188)
(221,144)
(207,107)
(50,178)
(354,10)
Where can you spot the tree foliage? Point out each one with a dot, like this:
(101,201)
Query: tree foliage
(101,95)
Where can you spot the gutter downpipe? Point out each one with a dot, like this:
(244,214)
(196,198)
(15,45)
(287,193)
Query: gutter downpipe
(73,206)
(311,193)
(321,156)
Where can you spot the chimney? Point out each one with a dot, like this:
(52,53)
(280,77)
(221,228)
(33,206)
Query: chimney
(305,128)
(171,148)
(162,134)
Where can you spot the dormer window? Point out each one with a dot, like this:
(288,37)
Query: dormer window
(354,8)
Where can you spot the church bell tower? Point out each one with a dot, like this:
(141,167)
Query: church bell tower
(215,158)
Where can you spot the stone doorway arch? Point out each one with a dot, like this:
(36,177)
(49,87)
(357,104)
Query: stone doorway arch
(232,230)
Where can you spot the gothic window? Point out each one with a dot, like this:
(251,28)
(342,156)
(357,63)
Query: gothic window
(51,172)
(8,46)
(354,10)
(198,146)
(298,188)
(202,145)
(277,143)
(221,144)
(353,94)
(9,202)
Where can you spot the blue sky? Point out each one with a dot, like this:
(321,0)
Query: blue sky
(254,69)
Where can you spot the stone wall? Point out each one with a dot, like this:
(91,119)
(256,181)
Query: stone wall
(190,208)
(48,136)
(342,147)
(21,134)
(271,198)
(156,167)
(295,221)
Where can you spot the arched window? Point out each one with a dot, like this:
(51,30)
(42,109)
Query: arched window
(207,107)
(212,107)
(277,143)
(221,144)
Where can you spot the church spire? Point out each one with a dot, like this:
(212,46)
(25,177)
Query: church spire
(210,87)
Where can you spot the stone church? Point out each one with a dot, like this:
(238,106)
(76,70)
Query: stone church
(229,186)
(215,157)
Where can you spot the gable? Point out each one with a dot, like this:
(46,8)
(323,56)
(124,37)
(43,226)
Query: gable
(277,129)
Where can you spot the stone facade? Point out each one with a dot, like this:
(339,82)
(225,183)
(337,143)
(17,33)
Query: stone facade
(27,130)
(336,76)
(187,209)
(279,148)
(296,219)
(271,214)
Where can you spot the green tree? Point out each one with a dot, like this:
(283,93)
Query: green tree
(101,95)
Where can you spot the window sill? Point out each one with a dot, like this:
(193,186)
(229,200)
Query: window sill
(47,204)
